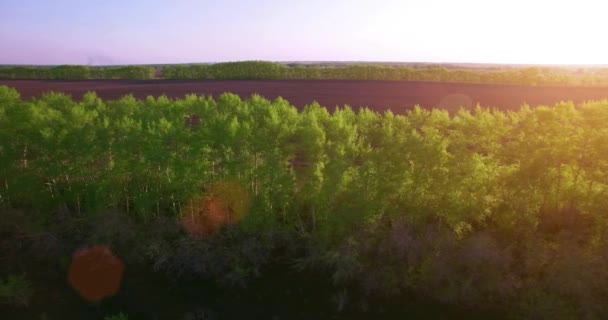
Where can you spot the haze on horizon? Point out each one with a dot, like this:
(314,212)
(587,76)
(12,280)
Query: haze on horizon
(98,32)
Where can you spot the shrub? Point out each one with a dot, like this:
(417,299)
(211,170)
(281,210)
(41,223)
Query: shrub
(16,290)
(118,316)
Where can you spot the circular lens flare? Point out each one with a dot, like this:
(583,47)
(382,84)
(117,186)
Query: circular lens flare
(95,273)
(223,203)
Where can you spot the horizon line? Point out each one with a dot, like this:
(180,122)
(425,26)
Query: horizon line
(304,62)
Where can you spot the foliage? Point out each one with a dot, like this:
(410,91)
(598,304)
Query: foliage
(16,289)
(125,72)
(77,72)
(119,316)
(481,209)
(262,70)
(265,70)
(227,70)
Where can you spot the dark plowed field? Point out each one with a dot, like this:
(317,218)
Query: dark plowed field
(379,95)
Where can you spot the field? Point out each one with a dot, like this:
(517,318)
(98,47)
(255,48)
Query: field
(398,96)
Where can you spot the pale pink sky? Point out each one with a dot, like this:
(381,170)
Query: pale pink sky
(179,31)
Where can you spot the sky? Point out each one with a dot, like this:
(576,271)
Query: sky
(99,32)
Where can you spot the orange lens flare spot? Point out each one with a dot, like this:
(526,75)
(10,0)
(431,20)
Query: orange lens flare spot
(95,273)
(224,203)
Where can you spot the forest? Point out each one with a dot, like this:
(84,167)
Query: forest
(265,70)
(275,71)
(328,213)
(77,72)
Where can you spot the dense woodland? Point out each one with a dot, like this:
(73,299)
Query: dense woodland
(264,70)
(326,213)
(276,71)
(77,72)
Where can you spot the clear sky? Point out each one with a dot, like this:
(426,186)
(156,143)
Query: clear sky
(179,31)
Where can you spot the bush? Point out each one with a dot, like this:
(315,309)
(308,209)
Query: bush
(119,316)
(16,290)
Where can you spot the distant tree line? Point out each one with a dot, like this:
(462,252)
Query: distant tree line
(77,72)
(264,70)
(486,210)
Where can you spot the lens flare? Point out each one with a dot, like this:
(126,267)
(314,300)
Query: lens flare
(95,273)
(222,204)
